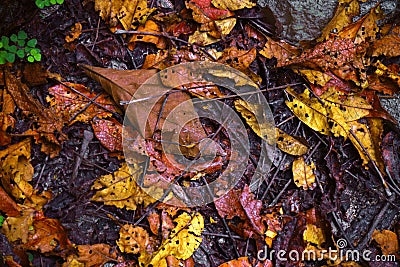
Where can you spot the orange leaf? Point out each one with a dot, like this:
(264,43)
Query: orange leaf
(92,255)
(149,27)
(76,31)
(387,240)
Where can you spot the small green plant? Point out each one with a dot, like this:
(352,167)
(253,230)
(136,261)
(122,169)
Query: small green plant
(17,45)
(44,3)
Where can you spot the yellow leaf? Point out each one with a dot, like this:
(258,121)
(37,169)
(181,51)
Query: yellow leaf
(303,174)
(202,38)
(290,144)
(345,11)
(233,4)
(121,190)
(250,112)
(315,76)
(18,228)
(309,111)
(387,240)
(314,235)
(133,239)
(225,26)
(240,80)
(362,139)
(183,240)
(149,27)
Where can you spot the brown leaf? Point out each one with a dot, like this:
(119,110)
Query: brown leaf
(48,122)
(75,102)
(252,208)
(280,50)
(109,133)
(92,256)
(19,227)
(389,45)
(6,120)
(229,205)
(8,205)
(49,237)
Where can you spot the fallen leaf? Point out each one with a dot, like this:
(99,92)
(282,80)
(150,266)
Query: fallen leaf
(238,59)
(48,236)
(252,208)
(280,50)
(133,239)
(245,262)
(233,5)
(6,120)
(109,133)
(303,174)
(8,205)
(388,45)
(316,77)
(344,13)
(75,32)
(229,205)
(129,13)
(387,240)
(314,235)
(48,122)
(19,227)
(91,256)
(202,38)
(289,144)
(75,102)
(183,240)
(149,27)
(204,12)
(121,190)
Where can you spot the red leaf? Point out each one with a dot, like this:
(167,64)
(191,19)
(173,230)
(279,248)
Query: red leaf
(109,133)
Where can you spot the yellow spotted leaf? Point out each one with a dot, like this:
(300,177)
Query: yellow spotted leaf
(121,190)
(233,4)
(183,240)
(303,174)
(251,112)
(310,111)
(19,228)
(387,240)
(289,144)
(315,76)
(133,239)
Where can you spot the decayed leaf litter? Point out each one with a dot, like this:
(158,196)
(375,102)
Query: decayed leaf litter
(345,124)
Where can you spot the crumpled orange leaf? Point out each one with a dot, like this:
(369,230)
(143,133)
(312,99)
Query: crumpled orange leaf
(121,190)
(109,133)
(92,256)
(149,27)
(133,239)
(77,106)
(280,50)
(387,240)
(75,32)
(48,121)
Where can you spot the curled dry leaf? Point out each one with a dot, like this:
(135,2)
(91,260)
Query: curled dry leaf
(75,32)
(75,102)
(121,190)
(295,146)
(48,122)
(109,133)
(387,240)
(303,174)
(6,120)
(91,256)
(133,239)
(183,240)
